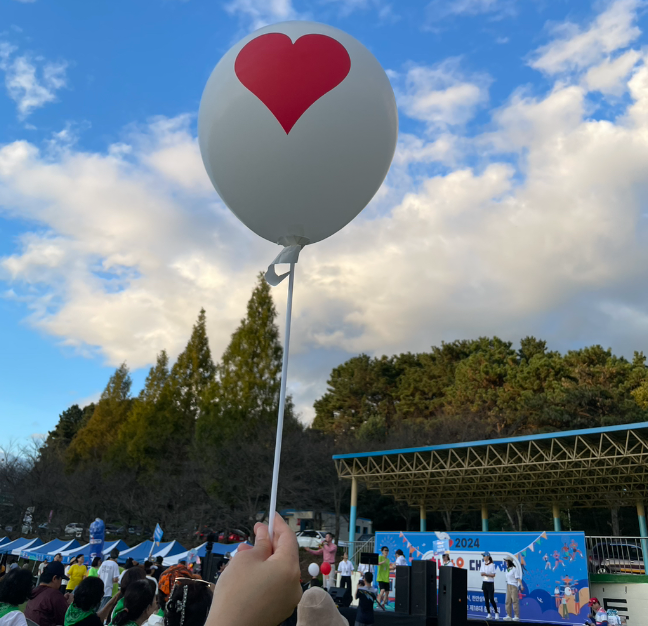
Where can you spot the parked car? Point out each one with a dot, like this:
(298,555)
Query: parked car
(75,529)
(114,529)
(617,558)
(310,538)
(9,528)
(43,526)
(135,530)
(231,536)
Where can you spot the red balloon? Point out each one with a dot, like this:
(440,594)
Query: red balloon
(325,569)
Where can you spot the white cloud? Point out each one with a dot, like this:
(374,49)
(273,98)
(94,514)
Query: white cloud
(440,9)
(537,226)
(440,95)
(260,13)
(347,7)
(609,77)
(576,49)
(31,82)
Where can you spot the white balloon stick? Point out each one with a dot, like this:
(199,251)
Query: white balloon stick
(282,404)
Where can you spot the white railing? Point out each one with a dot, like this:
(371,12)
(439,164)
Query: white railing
(356,547)
(617,555)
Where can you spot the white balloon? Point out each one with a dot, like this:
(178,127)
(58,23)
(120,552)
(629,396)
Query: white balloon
(313,569)
(297,130)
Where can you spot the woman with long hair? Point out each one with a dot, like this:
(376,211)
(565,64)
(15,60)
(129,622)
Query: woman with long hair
(189,603)
(130,576)
(487,572)
(139,604)
(15,589)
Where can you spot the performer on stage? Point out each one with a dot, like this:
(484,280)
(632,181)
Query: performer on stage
(487,571)
(346,570)
(400,559)
(384,567)
(327,549)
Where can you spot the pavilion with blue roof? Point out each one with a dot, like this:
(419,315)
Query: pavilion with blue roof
(575,468)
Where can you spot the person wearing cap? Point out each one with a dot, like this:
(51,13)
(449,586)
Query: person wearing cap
(513,582)
(48,605)
(598,615)
(487,573)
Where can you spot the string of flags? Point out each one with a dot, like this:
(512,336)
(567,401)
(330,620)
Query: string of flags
(412,549)
(536,542)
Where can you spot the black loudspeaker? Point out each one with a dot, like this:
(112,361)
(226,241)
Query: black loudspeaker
(423,597)
(453,596)
(402,589)
(369,558)
(341,596)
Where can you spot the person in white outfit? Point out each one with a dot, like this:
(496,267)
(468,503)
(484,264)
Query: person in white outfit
(513,582)
(345,567)
(487,572)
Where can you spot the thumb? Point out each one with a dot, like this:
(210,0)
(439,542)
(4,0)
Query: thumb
(262,544)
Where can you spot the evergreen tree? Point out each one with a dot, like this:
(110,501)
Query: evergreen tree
(102,430)
(139,443)
(244,396)
(179,399)
(70,422)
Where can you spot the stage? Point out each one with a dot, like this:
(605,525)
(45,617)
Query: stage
(389,618)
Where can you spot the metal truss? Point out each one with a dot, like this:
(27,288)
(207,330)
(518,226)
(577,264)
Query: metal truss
(582,470)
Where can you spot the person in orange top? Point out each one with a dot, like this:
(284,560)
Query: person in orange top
(77,573)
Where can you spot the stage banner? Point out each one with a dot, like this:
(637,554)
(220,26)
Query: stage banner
(554,587)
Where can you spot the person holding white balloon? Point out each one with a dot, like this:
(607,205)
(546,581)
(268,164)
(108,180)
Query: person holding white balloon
(297,130)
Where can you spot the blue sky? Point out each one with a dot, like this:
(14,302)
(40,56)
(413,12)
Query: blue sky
(514,205)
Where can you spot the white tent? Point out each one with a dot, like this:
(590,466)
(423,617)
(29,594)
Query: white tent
(173,560)
(169,550)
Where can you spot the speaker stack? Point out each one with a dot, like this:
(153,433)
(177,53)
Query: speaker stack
(341,595)
(416,589)
(453,596)
(416,592)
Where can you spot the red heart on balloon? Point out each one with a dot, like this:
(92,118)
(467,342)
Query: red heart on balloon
(289,78)
(451,543)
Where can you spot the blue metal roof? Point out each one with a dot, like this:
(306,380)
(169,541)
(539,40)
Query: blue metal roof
(492,442)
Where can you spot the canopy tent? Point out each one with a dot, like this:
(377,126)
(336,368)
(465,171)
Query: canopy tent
(70,555)
(201,550)
(140,552)
(18,545)
(47,551)
(168,548)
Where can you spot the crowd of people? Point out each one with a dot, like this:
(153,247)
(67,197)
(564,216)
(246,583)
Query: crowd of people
(261,586)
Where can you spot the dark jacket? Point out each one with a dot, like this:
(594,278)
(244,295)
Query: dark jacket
(47,607)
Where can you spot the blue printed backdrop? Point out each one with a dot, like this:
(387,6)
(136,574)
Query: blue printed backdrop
(555,586)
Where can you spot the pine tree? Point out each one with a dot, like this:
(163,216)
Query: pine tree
(102,430)
(138,444)
(70,422)
(245,394)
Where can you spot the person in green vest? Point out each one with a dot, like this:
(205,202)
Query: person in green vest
(94,568)
(130,576)
(139,604)
(15,589)
(85,604)
(383,575)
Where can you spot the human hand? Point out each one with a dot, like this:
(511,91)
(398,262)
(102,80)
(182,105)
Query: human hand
(260,587)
